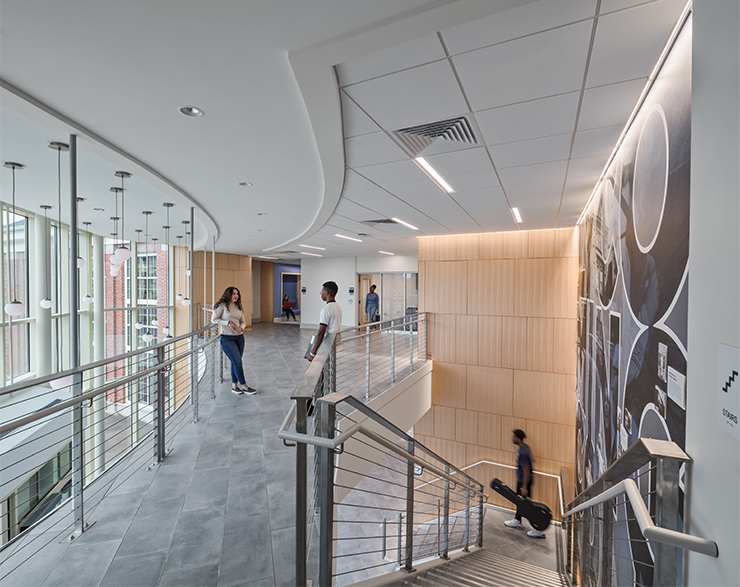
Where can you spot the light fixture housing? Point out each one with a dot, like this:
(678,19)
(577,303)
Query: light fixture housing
(433,174)
(46,303)
(123,253)
(187,272)
(311,247)
(138,326)
(178,297)
(88,299)
(15,309)
(349,238)
(185,301)
(80,262)
(246,184)
(191,111)
(311,254)
(155,322)
(387,253)
(517,215)
(166,331)
(148,337)
(406,224)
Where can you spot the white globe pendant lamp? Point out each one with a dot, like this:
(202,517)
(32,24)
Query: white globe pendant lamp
(185,301)
(123,253)
(148,337)
(80,262)
(166,330)
(155,322)
(88,299)
(14,308)
(46,303)
(178,297)
(115,260)
(138,326)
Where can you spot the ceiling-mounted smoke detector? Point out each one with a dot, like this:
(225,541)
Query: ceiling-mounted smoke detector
(443,136)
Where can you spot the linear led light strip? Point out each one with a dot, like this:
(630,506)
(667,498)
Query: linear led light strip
(638,105)
(310,247)
(386,253)
(406,224)
(312,254)
(432,173)
(517,215)
(263,257)
(349,238)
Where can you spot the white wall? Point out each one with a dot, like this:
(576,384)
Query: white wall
(256,285)
(388,264)
(314,272)
(714,287)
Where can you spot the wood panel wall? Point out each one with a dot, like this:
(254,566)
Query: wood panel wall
(267,291)
(231,270)
(503,341)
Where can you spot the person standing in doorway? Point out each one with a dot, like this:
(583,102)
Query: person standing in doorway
(229,315)
(330,319)
(524,479)
(372,306)
(288,308)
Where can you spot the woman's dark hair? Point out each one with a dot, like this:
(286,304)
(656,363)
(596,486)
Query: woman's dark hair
(225,299)
(286,296)
(520,434)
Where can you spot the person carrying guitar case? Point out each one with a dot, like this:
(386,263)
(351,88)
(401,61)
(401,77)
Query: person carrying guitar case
(524,479)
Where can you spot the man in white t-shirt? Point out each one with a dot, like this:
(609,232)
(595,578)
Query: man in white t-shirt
(330,319)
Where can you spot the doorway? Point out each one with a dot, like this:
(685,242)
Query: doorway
(399,294)
(290,285)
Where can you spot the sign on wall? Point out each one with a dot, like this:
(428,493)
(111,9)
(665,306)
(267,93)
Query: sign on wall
(728,389)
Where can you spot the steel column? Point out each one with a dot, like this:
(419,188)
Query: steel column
(409,511)
(301,493)
(666,496)
(98,404)
(325,498)
(159,439)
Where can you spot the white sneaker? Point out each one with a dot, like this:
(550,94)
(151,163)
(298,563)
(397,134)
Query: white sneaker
(516,524)
(536,533)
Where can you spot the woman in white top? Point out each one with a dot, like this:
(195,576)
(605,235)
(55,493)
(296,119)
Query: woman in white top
(229,315)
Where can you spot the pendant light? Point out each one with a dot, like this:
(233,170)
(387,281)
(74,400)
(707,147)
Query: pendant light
(186,300)
(179,296)
(115,260)
(166,328)
(46,303)
(122,252)
(80,260)
(13,308)
(88,298)
(147,337)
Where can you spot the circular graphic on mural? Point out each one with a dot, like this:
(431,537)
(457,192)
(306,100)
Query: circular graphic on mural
(650,178)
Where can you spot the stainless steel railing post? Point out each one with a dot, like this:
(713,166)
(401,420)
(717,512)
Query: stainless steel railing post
(411,349)
(327,413)
(301,492)
(393,352)
(606,538)
(666,495)
(367,364)
(480,517)
(194,379)
(467,514)
(446,519)
(426,337)
(409,511)
(221,366)
(400,534)
(159,440)
(77,461)
(213,363)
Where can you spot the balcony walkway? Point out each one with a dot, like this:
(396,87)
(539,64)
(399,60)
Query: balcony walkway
(219,510)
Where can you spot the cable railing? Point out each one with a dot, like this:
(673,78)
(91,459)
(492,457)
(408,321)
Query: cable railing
(626,527)
(372,358)
(60,433)
(370,499)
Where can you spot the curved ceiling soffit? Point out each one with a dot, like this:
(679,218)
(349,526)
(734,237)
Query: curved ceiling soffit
(26,105)
(313,68)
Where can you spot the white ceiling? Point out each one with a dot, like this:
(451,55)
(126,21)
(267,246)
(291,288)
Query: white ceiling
(276,116)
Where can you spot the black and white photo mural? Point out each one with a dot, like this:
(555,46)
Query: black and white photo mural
(633,287)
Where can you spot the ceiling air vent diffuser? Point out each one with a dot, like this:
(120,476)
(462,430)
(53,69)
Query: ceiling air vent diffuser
(443,136)
(379,221)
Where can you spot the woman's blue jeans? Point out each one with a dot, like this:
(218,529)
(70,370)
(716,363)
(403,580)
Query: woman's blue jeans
(234,348)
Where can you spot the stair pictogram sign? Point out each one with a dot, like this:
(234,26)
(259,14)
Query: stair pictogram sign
(729,381)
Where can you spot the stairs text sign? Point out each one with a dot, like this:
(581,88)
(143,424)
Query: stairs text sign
(728,389)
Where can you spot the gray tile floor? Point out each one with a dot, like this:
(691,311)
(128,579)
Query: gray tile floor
(220,509)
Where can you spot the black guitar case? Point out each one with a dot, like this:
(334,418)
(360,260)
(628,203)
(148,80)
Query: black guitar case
(538,514)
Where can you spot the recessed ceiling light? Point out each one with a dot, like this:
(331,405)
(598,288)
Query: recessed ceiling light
(517,215)
(431,172)
(191,111)
(99,209)
(246,184)
(310,247)
(406,224)
(386,253)
(312,254)
(349,238)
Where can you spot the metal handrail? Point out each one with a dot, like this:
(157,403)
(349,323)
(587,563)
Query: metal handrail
(88,366)
(371,324)
(649,530)
(12,425)
(337,442)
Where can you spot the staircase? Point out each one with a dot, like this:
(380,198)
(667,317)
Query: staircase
(484,568)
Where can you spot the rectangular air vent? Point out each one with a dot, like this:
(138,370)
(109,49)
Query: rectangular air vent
(379,221)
